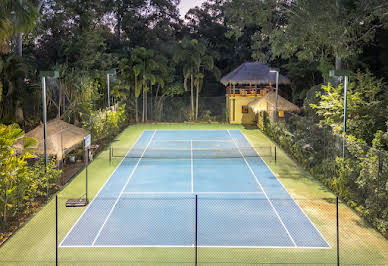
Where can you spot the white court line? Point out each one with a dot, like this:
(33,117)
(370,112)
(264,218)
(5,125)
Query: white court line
(265,194)
(191,193)
(122,190)
(192,167)
(106,181)
(289,194)
(191,246)
(187,140)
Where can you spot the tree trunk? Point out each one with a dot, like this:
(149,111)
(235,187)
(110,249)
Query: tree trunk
(19,44)
(137,110)
(338,62)
(118,28)
(76,120)
(196,103)
(19,37)
(192,97)
(5,207)
(146,106)
(19,112)
(59,102)
(40,5)
(143,113)
(156,96)
(151,105)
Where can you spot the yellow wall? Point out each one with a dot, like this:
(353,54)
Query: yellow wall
(239,117)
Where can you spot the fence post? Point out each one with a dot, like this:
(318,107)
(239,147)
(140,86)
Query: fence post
(110,154)
(379,170)
(196,229)
(275,153)
(56,229)
(337,219)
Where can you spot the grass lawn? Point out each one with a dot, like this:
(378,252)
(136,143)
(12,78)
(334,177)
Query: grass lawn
(34,243)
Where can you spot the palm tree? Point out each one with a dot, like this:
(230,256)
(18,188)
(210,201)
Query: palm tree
(12,85)
(190,52)
(161,73)
(206,64)
(143,67)
(16,17)
(128,82)
(197,60)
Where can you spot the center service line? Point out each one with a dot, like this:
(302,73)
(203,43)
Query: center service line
(121,192)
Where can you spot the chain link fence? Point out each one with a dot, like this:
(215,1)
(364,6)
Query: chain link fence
(178,109)
(358,173)
(198,229)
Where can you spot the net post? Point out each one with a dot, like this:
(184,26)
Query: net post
(196,230)
(337,218)
(56,230)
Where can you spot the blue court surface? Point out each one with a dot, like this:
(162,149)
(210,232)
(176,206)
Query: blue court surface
(149,201)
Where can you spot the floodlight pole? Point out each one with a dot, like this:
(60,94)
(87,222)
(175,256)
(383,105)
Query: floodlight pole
(44,74)
(277,95)
(108,85)
(345,74)
(345,113)
(44,122)
(45,130)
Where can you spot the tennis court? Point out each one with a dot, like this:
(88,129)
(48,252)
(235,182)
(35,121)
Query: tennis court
(149,199)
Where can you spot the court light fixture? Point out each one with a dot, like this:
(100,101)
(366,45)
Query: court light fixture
(110,72)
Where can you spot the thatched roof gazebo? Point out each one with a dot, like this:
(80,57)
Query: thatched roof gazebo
(62,137)
(253,73)
(249,82)
(267,103)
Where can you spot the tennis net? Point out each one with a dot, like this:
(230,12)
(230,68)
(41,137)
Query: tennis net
(191,152)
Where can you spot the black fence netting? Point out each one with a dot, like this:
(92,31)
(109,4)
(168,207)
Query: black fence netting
(179,109)
(358,173)
(203,229)
(128,228)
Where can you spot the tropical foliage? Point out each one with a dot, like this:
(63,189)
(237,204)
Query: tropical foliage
(174,64)
(21,185)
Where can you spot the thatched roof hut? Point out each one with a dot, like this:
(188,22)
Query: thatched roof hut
(253,73)
(62,137)
(268,103)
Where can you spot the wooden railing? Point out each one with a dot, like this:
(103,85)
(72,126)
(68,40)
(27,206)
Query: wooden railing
(247,92)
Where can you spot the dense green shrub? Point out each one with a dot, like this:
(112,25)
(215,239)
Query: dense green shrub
(105,123)
(21,185)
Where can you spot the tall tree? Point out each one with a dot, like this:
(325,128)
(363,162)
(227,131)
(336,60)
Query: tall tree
(143,65)
(196,60)
(190,52)
(16,17)
(259,18)
(327,31)
(206,64)
(367,106)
